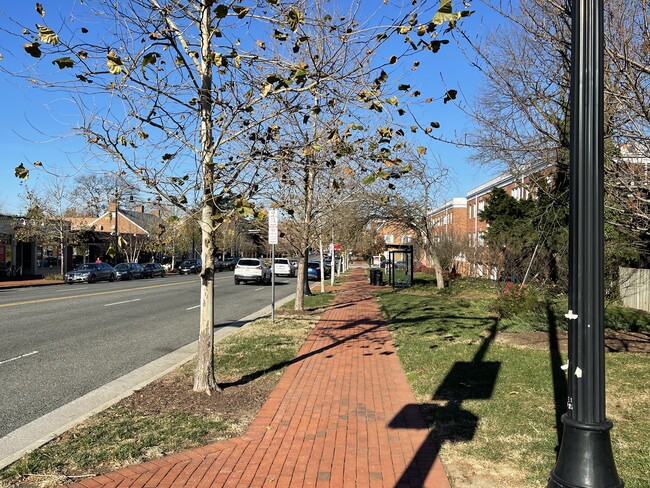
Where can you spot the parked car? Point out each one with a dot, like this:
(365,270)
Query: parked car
(229,263)
(283,267)
(129,271)
(252,269)
(153,269)
(313,270)
(190,266)
(90,273)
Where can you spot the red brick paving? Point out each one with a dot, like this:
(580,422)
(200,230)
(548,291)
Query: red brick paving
(342,415)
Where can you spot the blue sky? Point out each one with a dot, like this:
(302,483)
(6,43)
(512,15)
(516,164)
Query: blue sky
(35,124)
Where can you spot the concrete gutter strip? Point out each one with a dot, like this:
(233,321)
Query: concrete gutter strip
(42,430)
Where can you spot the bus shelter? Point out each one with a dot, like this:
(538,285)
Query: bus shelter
(399,266)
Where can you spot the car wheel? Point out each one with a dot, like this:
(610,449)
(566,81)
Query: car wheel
(129,276)
(92,278)
(236,281)
(111,278)
(69,282)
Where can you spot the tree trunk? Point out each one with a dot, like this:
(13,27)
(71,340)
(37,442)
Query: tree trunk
(322,266)
(440,279)
(62,251)
(204,380)
(302,286)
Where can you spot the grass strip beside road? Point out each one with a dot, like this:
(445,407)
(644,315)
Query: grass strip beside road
(167,416)
(493,401)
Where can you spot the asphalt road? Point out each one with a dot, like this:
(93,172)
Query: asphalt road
(58,343)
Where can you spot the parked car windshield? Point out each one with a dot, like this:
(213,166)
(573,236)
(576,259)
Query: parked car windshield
(122,266)
(189,262)
(86,266)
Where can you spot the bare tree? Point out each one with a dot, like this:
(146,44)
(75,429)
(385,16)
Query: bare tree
(46,220)
(410,208)
(184,95)
(342,132)
(92,192)
(522,112)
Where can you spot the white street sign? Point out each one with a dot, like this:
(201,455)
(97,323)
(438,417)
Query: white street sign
(273,226)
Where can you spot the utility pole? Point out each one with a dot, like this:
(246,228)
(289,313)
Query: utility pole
(117,235)
(585,459)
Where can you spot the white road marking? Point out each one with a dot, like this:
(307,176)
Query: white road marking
(192,308)
(120,303)
(259,289)
(19,357)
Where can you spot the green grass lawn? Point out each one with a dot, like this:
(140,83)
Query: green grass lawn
(494,406)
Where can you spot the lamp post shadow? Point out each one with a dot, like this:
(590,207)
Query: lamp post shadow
(465,380)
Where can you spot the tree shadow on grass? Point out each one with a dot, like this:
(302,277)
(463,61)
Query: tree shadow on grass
(369,327)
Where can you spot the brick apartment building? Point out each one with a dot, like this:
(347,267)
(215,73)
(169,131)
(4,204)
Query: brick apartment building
(457,225)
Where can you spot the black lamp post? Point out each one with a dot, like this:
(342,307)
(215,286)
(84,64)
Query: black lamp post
(585,458)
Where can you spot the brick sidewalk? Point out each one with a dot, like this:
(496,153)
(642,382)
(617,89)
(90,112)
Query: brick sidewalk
(342,415)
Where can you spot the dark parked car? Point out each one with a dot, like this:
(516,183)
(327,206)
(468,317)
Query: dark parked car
(313,271)
(190,266)
(90,272)
(229,263)
(153,269)
(129,271)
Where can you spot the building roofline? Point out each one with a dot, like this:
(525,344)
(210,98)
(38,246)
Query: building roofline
(504,179)
(457,202)
(122,216)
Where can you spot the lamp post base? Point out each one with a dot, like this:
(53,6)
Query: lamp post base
(585,459)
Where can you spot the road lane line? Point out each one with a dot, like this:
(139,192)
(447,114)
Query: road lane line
(120,303)
(192,308)
(258,289)
(19,357)
(128,290)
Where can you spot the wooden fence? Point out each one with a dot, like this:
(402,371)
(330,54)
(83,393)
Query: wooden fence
(634,285)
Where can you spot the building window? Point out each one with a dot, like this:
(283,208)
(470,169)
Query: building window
(481,205)
(388,239)
(46,257)
(481,239)
(406,239)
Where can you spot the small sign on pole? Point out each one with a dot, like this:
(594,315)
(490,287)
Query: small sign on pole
(273,226)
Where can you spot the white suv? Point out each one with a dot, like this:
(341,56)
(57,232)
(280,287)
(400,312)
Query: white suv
(283,267)
(252,269)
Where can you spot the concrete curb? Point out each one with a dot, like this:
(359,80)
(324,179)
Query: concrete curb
(42,430)
(29,284)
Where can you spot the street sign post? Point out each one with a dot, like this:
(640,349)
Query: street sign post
(273,240)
